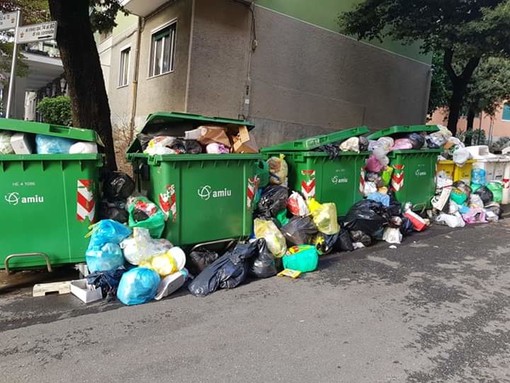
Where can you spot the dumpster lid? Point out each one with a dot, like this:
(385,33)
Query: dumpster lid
(180,122)
(312,143)
(20,126)
(403,129)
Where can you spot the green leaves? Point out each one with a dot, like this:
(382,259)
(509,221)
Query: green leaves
(56,110)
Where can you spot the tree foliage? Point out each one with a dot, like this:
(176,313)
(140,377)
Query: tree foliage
(465,31)
(55,110)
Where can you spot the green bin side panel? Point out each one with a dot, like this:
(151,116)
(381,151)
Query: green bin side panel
(413,177)
(313,174)
(213,197)
(39,206)
(311,143)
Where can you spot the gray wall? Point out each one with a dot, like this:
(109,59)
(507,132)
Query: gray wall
(219,58)
(307,80)
(165,92)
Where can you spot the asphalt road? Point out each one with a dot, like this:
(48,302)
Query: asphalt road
(436,309)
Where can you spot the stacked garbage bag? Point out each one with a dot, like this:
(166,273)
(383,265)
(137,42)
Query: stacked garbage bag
(458,203)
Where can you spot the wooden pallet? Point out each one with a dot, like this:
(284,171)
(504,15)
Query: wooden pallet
(41,289)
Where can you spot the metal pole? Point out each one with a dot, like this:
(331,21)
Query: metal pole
(13,66)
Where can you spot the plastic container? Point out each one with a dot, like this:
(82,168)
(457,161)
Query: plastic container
(207,197)
(506,181)
(317,176)
(47,201)
(455,172)
(413,178)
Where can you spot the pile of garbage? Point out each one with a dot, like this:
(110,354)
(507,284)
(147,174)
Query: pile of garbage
(457,203)
(204,139)
(29,143)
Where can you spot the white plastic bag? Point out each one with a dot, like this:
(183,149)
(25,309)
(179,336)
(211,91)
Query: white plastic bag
(392,235)
(451,220)
(160,145)
(141,246)
(5,143)
(350,145)
(83,148)
(297,205)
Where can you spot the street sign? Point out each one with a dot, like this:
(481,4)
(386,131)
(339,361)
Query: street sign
(8,20)
(37,32)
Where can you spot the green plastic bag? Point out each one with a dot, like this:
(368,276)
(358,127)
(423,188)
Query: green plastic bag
(262,171)
(141,206)
(386,175)
(281,217)
(304,258)
(496,187)
(458,196)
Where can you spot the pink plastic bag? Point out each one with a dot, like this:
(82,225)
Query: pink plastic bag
(374,165)
(402,144)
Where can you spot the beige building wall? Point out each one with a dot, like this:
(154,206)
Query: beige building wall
(166,92)
(299,80)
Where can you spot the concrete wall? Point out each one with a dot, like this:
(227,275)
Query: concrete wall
(219,58)
(307,80)
(165,92)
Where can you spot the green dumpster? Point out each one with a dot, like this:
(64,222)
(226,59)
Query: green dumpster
(47,200)
(207,197)
(315,175)
(414,170)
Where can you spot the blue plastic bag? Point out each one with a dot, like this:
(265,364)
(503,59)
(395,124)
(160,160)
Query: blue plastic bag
(137,286)
(108,257)
(52,145)
(478,176)
(107,231)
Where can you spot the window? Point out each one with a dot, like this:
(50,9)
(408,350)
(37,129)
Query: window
(506,111)
(124,67)
(162,51)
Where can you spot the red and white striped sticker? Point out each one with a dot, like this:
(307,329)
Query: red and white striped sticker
(85,205)
(397,179)
(253,185)
(362,181)
(308,185)
(168,202)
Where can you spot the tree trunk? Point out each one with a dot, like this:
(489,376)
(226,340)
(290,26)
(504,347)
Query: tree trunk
(469,129)
(82,70)
(459,86)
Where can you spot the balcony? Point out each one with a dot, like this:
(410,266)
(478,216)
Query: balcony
(142,8)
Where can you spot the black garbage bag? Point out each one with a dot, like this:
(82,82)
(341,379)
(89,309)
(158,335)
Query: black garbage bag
(407,226)
(417,140)
(299,230)
(368,216)
(108,281)
(363,144)
(198,260)
(485,194)
(344,241)
(263,264)
(333,151)
(179,146)
(118,186)
(226,272)
(272,201)
(359,236)
(113,210)
(325,243)
(192,147)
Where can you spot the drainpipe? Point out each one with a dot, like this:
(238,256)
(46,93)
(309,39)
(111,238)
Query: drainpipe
(141,24)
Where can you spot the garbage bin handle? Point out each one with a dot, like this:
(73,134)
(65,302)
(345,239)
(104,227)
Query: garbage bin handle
(27,255)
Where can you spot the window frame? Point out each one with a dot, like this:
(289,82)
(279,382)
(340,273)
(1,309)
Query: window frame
(172,38)
(506,108)
(120,84)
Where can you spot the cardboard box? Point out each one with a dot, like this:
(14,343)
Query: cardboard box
(87,293)
(210,134)
(244,143)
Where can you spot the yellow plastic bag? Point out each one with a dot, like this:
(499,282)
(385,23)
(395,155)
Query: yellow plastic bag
(325,218)
(274,238)
(313,205)
(163,264)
